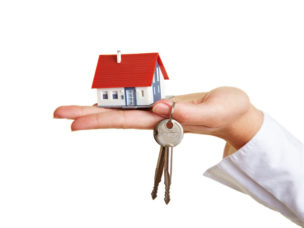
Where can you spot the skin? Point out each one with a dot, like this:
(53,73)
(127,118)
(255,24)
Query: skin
(224,112)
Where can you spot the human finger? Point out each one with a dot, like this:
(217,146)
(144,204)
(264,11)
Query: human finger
(187,113)
(194,98)
(75,111)
(124,119)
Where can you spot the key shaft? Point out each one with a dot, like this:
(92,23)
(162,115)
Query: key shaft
(168,172)
(158,171)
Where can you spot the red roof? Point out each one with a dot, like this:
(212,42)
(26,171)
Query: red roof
(134,70)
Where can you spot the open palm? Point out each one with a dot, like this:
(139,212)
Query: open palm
(216,112)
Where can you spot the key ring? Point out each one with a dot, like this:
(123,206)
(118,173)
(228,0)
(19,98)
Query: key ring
(172,111)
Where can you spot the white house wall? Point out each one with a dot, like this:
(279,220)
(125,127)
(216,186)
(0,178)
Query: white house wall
(144,95)
(110,101)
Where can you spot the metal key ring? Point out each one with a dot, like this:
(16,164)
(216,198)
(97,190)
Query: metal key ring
(172,111)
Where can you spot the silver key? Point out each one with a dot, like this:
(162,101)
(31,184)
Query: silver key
(167,133)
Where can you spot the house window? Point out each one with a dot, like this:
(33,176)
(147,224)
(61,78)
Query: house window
(158,90)
(104,94)
(114,94)
(142,93)
(154,90)
(157,74)
(122,96)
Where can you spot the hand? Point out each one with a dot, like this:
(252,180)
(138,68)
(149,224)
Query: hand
(224,112)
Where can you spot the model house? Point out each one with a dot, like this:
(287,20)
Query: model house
(129,80)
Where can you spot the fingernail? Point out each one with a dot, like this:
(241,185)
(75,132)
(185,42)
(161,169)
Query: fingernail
(161,109)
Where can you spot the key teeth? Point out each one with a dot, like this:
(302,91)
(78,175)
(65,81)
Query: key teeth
(154,193)
(167,197)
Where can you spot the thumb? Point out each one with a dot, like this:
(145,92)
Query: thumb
(186,113)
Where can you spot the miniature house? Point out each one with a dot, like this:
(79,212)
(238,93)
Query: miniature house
(129,80)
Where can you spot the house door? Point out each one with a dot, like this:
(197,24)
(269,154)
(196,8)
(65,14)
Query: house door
(130,96)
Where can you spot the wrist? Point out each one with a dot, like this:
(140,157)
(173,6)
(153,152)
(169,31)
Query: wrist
(244,128)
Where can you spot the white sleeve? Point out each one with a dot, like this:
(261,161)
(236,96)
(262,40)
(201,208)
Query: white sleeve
(269,168)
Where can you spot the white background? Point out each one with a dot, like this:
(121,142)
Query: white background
(52,177)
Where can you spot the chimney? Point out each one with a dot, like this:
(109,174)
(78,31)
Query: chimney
(118,56)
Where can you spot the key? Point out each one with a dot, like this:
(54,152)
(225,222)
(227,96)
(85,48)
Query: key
(168,133)
(158,171)
(167,175)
